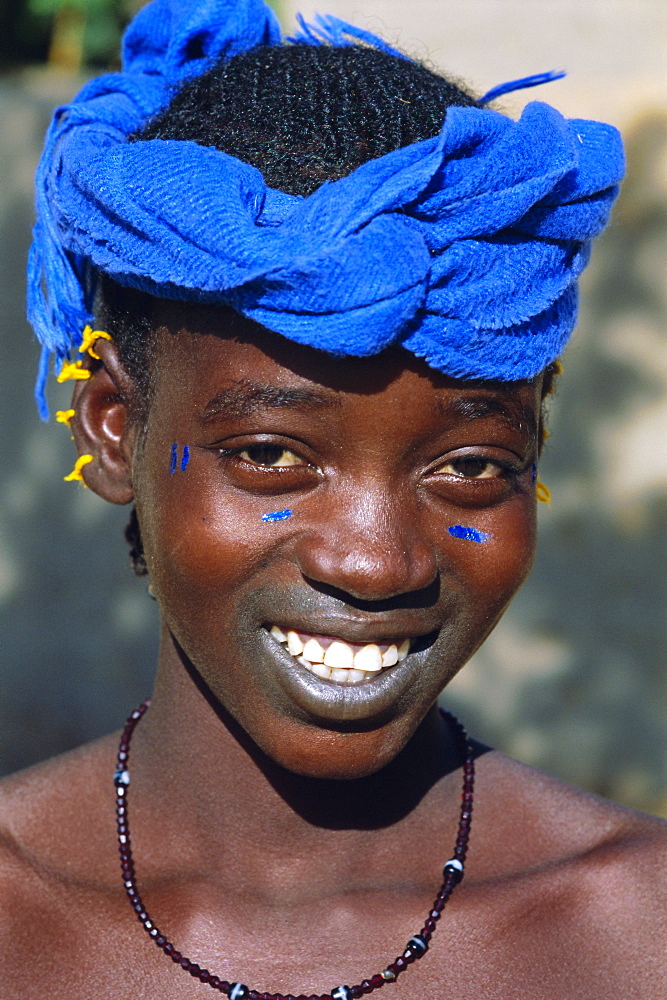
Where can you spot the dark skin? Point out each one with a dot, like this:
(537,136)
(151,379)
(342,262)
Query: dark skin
(288,832)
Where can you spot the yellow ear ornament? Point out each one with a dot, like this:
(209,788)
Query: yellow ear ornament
(65,416)
(88,338)
(75,475)
(73,370)
(542,492)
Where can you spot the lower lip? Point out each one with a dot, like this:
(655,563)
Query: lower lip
(338,702)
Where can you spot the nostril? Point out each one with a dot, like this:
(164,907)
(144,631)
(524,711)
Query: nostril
(425,597)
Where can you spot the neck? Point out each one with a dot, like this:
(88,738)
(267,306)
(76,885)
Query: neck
(196,774)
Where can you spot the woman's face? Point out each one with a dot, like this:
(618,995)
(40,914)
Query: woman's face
(411,525)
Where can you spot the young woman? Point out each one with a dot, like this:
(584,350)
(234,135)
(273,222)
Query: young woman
(319,325)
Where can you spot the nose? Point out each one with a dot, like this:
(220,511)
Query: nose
(369,543)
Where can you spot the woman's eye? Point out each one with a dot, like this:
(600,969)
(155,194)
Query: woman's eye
(272,456)
(471,468)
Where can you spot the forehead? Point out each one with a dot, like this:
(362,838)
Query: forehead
(223,364)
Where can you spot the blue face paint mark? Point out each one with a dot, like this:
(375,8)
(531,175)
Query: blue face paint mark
(174,458)
(468,534)
(277,515)
(185,459)
(534,468)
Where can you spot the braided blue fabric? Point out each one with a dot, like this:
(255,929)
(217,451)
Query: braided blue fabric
(464,248)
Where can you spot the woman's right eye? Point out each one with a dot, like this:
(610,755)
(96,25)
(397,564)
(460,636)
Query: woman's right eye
(269,456)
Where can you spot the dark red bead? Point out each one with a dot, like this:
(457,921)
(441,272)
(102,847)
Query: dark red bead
(184,962)
(175,956)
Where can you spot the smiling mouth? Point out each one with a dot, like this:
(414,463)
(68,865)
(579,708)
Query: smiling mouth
(333,659)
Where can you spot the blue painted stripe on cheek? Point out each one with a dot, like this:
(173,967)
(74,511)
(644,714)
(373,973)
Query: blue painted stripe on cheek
(174,458)
(185,459)
(468,534)
(277,515)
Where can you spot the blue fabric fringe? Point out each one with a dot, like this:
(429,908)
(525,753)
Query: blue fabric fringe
(527,81)
(330,30)
(464,248)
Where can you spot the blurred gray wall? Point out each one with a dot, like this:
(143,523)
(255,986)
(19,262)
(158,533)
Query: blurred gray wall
(574,679)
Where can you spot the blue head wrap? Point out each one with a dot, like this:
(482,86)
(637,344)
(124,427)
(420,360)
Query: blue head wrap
(464,248)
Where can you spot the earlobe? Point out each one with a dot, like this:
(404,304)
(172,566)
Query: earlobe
(103,429)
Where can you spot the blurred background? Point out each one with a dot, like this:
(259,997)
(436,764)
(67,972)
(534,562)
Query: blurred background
(574,679)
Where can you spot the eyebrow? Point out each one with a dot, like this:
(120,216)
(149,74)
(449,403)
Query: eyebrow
(245,397)
(511,412)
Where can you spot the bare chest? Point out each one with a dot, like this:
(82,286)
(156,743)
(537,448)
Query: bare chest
(76,948)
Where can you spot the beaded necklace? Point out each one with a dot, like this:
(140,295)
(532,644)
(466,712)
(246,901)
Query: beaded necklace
(416,946)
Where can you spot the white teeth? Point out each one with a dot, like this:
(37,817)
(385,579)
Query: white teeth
(390,657)
(354,676)
(320,670)
(313,652)
(339,662)
(368,658)
(294,644)
(339,656)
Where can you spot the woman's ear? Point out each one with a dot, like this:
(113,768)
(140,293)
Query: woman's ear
(103,428)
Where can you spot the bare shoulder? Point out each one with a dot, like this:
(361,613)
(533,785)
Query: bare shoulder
(31,799)
(545,823)
(581,881)
(53,832)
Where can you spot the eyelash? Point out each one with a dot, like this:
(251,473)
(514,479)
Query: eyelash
(506,470)
(232,454)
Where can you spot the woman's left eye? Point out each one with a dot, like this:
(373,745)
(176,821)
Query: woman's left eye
(471,467)
(271,456)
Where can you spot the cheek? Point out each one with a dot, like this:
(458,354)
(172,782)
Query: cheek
(493,551)
(197,539)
